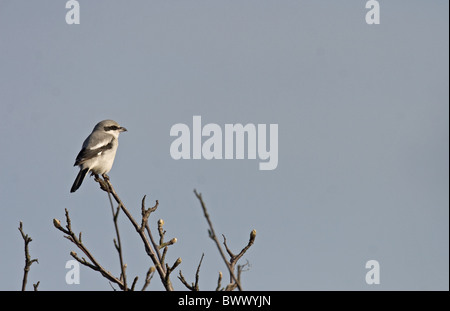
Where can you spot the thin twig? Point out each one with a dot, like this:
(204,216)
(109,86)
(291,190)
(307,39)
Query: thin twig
(144,224)
(28,260)
(94,264)
(148,277)
(35,286)
(235,258)
(134,283)
(193,286)
(213,236)
(107,186)
(118,245)
(174,266)
(219,281)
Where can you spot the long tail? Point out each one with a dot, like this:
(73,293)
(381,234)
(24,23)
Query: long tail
(79,180)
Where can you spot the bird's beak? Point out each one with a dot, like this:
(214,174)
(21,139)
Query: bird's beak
(122,129)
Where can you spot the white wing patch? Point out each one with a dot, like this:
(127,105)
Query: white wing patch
(99,145)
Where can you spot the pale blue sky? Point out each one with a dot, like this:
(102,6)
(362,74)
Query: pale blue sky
(363,137)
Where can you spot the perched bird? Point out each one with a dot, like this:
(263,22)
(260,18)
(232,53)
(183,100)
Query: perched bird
(98,151)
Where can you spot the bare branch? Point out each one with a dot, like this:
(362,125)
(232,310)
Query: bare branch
(169,270)
(183,280)
(161,232)
(94,264)
(134,283)
(156,250)
(117,243)
(107,186)
(35,286)
(234,281)
(213,236)
(226,247)
(145,215)
(197,276)
(242,268)
(171,242)
(146,212)
(193,286)
(219,281)
(234,259)
(163,245)
(148,277)
(28,260)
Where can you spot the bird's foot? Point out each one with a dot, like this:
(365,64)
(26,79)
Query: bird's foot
(103,184)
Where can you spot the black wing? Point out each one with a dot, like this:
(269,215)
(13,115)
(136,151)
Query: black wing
(87,154)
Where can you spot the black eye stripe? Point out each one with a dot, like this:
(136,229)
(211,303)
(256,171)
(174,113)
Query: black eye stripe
(111,128)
